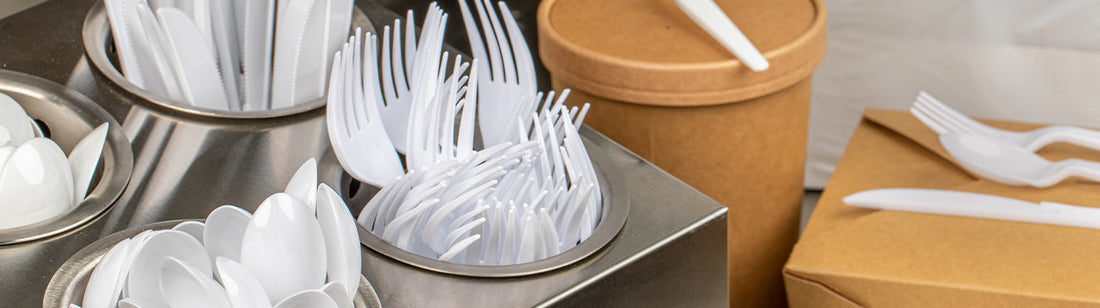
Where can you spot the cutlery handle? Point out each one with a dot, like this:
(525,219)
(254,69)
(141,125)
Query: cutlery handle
(1081,168)
(711,18)
(1069,134)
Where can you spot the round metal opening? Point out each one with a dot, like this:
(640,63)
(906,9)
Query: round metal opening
(66,117)
(100,48)
(616,207)
(68,283)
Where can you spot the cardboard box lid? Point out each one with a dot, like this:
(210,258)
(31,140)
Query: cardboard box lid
(877,258)
(650,52)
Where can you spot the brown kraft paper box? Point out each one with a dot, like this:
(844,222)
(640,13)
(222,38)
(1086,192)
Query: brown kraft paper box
(851,257)
(660,86)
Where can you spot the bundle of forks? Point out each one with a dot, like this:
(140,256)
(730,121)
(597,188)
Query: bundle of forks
(530,192)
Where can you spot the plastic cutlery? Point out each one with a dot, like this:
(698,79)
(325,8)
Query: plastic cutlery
(256,53)
(14,119)
(227,46)
(1009,164)
(338,292)
(341,241)
(243,290)
(159,46)
(504,76)
(199,77)
(966,204)
(145,272)
(224,232)
(106,281)
(185,285)
(303,184)
(339,14)
(356,130)
(36,184)
(942,119)
(84,158)
(290,34)
(284,248)
(712,19)
(193,228)
(308,299)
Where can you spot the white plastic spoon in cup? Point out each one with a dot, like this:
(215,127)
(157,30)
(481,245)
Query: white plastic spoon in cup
(224,232)
(15,120)
(105,283)
(284,248)
(185,285)
(35,184)
(140,303)
(303,185)
(84,158)
(243,289)
(144,279)
(308,299)
(341,239)
(194,228)
(338,292)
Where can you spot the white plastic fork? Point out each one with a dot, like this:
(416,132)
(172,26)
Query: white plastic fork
(398,65)
(507,73)
(355,127)
(942,119)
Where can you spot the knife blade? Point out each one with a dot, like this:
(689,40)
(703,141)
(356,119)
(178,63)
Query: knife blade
(975,205)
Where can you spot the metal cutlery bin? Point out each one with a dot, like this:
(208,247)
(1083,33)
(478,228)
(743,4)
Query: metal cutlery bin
(670,249)
(69,282)
(68,116)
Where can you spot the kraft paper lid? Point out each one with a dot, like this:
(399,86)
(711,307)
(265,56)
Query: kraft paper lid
(650,52)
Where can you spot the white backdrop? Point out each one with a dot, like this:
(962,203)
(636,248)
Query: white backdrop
(1025,60)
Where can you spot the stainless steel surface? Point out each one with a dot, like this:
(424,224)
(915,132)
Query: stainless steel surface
(68,283)
(613,217)
(69,116)
(671,250)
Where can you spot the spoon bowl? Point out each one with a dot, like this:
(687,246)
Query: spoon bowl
(1012,165)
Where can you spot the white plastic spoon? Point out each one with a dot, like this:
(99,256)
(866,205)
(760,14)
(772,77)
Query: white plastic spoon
(337,291)
(35,184)
(144,279)
(185,285)
(84,158)
(303,185)
(241,286)
(224,232)
(15,120)
(308,299)
(105,283)
(341,239)
(284,248)
(194,228)
(1011,164)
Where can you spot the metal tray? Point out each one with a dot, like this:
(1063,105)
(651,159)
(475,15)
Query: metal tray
(68,116)
(68,283)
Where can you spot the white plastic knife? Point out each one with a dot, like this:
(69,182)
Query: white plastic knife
(712,19)
(975,205)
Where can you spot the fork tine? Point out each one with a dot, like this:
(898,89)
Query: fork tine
(495,64)
(388,89)
(410,42)
(370,88)
(951,123)
(477,46)
(959,117)
(525,67)
(357,79)
(507,62)
(334,105)
(924,118)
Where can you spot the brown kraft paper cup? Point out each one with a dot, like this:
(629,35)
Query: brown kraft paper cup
(660,86)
